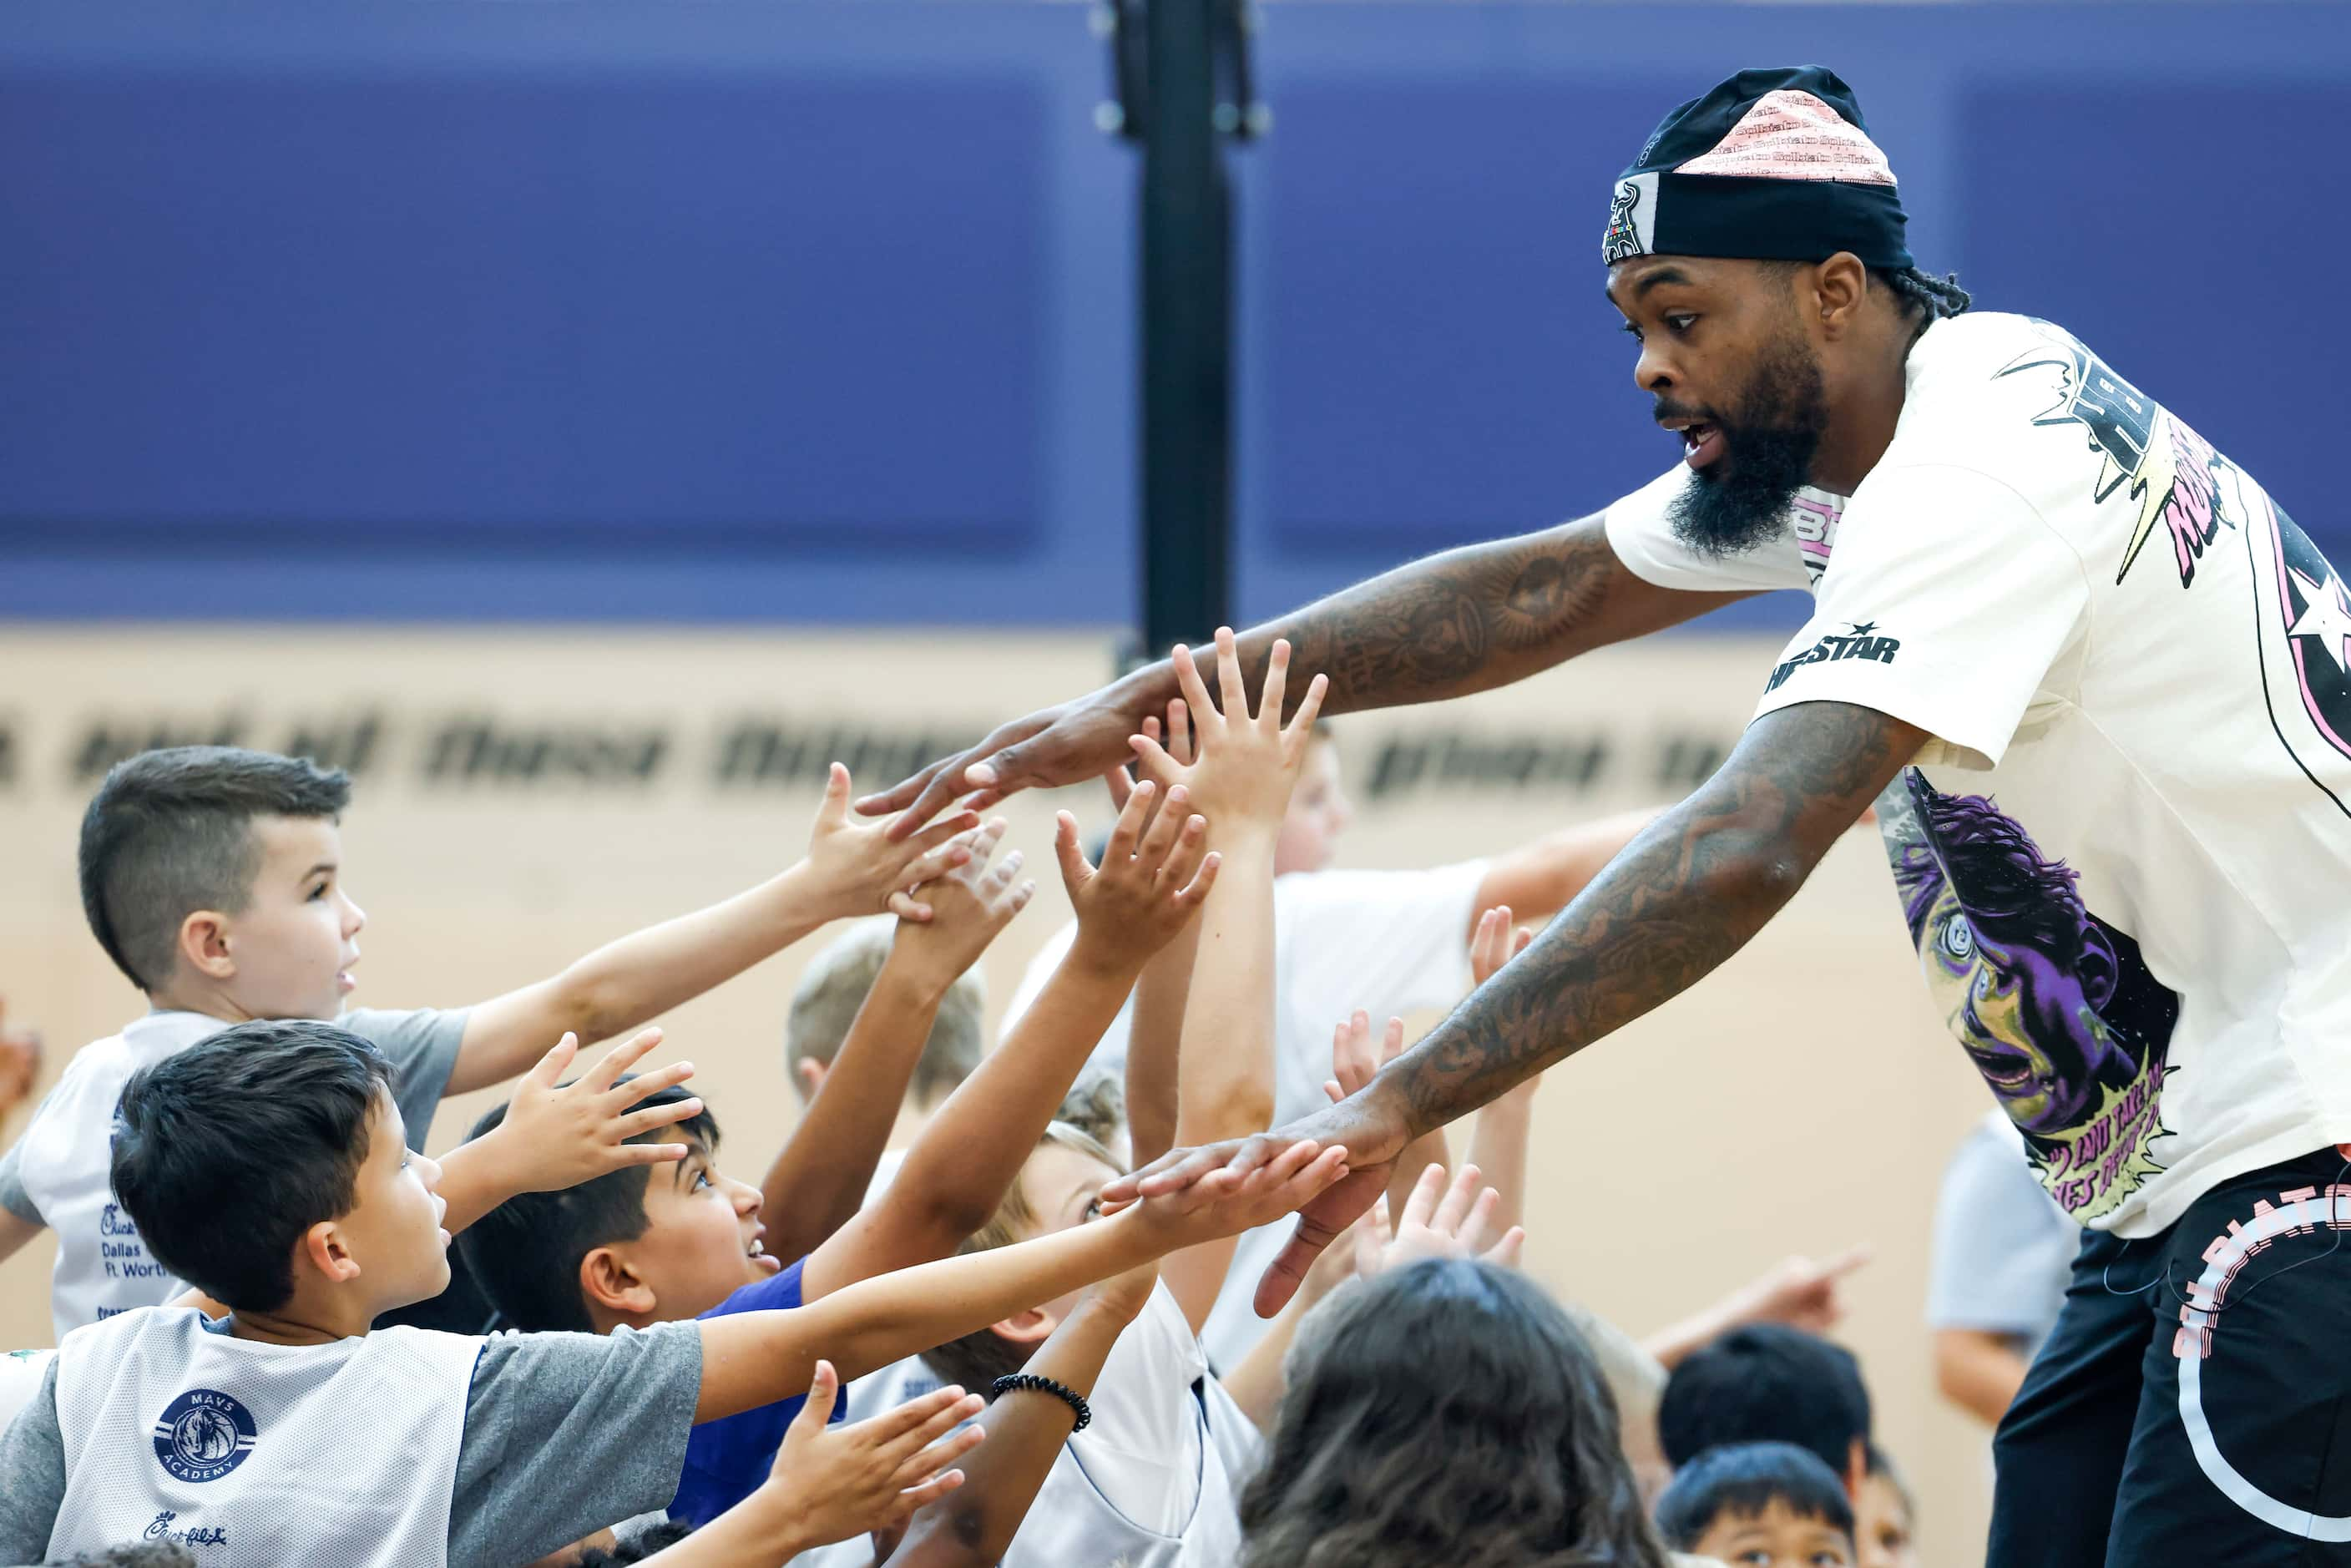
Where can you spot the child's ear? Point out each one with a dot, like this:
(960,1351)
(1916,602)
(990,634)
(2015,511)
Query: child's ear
(810,1074)
(613,1287)
(1028,1328)
(204,945)
(325,1249)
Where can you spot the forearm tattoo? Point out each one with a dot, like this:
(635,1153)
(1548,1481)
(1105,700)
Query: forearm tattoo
(1678,901)
(1457,622)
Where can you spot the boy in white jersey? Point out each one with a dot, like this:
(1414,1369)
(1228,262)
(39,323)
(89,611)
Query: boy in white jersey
(2120,679)
(213,876)
(266,1166)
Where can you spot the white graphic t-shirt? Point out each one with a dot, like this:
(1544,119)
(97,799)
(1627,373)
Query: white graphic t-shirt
(2124,855)
(57,1173)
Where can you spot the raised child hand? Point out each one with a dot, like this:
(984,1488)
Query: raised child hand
(1353,1063)
(1150,882)
(1458,1227)
(556,1136)
(1495,943)
(1249,762)
(854,867)
(967,906)
(836,1483)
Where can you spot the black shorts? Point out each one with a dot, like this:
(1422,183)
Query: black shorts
(2193,1403)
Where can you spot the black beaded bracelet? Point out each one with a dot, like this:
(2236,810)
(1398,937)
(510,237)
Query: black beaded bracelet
(1060,1391)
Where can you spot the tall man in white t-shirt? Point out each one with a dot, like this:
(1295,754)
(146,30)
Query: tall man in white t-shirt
(2115,682)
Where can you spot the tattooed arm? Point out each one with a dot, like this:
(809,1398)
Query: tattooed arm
(1466,621)
(1681,898)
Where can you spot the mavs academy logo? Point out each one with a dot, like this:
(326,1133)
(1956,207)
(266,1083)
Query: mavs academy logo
(203,1435)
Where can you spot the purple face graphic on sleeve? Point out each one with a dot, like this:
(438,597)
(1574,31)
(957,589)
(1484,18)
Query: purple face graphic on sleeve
(2056,1008)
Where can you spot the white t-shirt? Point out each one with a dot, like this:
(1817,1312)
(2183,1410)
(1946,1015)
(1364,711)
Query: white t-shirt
(1389,942)
(2123,854)
(58,1173)
(1154,1481)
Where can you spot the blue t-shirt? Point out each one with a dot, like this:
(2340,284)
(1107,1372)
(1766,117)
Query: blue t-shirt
(728,1458)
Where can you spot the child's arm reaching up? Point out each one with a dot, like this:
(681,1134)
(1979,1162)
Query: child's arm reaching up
(1161,992)
(971,1152)
(1247,764)
(555,1136)
(757,1358)
(837,1483)
(849,869)
(819,1178)
(1497,1145)
(974,1528)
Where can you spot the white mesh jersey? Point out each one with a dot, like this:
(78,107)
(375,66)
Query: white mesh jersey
(333,1455)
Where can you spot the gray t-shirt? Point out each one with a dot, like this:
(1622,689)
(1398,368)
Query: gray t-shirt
(2004,1249)
(565,1434)
(420,1042)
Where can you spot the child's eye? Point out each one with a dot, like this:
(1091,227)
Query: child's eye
(318,893)
(700,1180)
(1093,1210)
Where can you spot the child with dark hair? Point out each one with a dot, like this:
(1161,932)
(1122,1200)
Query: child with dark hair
(1885,1516)
(1758,1505)
(633,1252)
(213,876)
(290,1430)
(1445,1411)
(1769,1383)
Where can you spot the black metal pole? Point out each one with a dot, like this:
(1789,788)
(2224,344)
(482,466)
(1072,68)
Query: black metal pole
(1186,329)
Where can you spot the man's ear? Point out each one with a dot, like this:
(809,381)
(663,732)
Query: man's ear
(205,944)
(1840,284)
(325,1250)
(612,1286)
(1026,1328)
(808,1077)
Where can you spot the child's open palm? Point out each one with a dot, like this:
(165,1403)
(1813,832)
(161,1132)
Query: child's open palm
(1248,762)
(1459,1226)
(967,906)
(555,1136)
(1152,880)
(838,1482)
(856,867)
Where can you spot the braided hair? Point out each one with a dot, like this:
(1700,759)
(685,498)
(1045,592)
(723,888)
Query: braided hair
(1923,295)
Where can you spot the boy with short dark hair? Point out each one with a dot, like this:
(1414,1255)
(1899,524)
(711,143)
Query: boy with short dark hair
(668,1250)
(1769,1383)
(287,1432)
(1771,1505)
(212,877)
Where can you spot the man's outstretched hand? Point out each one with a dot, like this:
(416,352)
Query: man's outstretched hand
(1066,744)
(1373,1134)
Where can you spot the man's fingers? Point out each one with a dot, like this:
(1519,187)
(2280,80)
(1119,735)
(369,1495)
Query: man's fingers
(620,1058)
(550,1070)
(645,1120)
(1172,1172)
(1277,676)
(901,795)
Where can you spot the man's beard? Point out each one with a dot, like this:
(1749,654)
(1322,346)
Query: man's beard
(1767,456)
